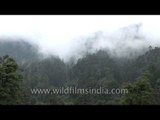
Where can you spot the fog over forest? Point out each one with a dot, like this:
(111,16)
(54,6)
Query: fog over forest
(51,52)
(68,36)
(128,41)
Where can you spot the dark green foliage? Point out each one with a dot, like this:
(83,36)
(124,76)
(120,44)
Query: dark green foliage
(10,81)
(140,92)
(47,72)
(93,68)
(140,74)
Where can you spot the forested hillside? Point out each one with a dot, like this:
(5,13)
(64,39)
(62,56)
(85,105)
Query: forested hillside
(20,50)
(25,68)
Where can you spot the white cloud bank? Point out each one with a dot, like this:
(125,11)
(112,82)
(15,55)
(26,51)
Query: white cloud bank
(60,34)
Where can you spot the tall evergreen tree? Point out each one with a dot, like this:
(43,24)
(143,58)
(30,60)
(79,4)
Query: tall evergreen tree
(10,81)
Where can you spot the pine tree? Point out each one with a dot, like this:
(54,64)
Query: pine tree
(10,81)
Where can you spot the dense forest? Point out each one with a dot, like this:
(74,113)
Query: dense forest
(22,68)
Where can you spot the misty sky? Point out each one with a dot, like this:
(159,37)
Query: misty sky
(56,33)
